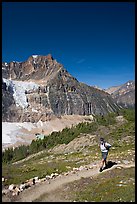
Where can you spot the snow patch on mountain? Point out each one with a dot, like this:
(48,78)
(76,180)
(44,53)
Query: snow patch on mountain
(34,56)
(6,64)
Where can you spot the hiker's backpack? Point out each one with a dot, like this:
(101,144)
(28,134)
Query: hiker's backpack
(107,146)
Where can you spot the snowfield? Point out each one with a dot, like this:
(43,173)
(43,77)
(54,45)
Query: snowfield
(14,134)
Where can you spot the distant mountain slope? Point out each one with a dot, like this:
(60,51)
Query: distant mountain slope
(112,89)
(123,94)
(41,88)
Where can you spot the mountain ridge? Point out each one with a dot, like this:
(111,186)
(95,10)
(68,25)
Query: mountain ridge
(124,94)
(46,89)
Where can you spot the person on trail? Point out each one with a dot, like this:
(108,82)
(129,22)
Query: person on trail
(104,147)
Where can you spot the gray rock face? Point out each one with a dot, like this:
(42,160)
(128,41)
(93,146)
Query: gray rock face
(41,88)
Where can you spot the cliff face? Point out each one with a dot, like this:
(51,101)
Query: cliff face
(41,88)
(124,94)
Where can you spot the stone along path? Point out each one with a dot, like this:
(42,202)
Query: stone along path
(39,189)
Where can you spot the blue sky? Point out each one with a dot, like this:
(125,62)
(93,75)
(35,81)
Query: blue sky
(94,41)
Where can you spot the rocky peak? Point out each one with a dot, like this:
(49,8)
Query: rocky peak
(124,94)
(128,86)
(37,67)
(39,58)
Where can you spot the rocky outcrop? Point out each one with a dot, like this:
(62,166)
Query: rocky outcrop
(41,88)
(35,68)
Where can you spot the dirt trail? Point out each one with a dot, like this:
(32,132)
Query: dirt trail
(33,193)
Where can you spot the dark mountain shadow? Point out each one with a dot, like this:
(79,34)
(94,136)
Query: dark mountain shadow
(109,165)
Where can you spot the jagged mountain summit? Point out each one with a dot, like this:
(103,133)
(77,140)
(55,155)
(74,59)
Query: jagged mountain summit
(41,88)
(124,94)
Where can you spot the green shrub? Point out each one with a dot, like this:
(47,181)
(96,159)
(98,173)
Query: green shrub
(129,114)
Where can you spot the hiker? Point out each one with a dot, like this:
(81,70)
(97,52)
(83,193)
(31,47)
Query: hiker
(104,147)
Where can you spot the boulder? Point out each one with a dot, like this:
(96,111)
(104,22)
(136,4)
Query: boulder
(16,191)
(54,175)
(22,187)
(36,179)
(48,177)
(27,185)
(31,182)
(11,187)
(43,179)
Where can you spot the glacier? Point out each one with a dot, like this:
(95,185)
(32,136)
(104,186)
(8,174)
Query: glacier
(19,88)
